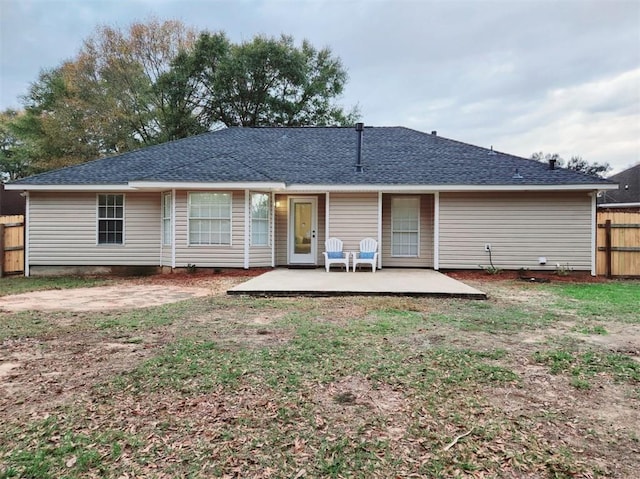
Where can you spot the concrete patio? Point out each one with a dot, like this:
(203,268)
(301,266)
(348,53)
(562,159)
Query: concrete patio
(385,282)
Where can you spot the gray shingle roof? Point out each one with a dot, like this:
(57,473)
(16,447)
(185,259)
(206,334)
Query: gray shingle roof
(315,155)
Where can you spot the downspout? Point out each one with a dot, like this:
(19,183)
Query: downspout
(436,230)
(246,228)
(594,226)
(27,240)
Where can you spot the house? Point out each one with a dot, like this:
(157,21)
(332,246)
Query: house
(628,193)
(266,197)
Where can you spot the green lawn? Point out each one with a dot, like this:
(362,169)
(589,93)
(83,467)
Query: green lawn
(538,381)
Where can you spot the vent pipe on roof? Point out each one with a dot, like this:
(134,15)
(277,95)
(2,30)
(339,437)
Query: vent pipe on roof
(360,130)
(552,164)
(434,133)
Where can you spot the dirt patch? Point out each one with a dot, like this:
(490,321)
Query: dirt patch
(127,294)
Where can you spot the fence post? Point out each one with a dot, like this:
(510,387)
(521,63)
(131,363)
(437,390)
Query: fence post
(607,246)
(1,250)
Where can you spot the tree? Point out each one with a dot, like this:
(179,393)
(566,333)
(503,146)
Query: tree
(576,163)
(155,82)
(16,153)
(264,82)
(106,100)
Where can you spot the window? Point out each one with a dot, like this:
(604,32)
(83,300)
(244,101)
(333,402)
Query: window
(259,219)
(110,219)
(405,226)
(209,218)
(167,205)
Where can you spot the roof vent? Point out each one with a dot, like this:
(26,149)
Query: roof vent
(491,152)
(360,130)
(516,174)
(434,133)
(552,164)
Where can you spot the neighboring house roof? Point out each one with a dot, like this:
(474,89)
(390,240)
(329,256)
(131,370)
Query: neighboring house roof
(629,191)
(315,156)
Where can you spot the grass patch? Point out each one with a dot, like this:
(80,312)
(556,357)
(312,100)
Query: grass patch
(20,284)
(584,365)
(494,318)
(341,387)
(617,301)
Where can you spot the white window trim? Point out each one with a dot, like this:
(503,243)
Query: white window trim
(267,220)
(417,255)
(124,221)
(189,193)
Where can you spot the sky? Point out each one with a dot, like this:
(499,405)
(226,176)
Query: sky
(558,76)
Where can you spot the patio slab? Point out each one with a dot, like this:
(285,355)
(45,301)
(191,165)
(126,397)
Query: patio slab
(385,282)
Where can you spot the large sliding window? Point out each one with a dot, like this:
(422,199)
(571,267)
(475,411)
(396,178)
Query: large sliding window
(110,219)
(167,206)
(259,219)
(210,218)
(405,226)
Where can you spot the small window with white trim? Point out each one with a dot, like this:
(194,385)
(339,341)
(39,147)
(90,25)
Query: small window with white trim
(259,219)
(167,206)
(110,219)
(405,226)
(210,218)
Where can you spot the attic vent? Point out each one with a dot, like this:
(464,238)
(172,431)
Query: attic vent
(516,174)
(491,152)
(434,133)
(552,164)
(360,131)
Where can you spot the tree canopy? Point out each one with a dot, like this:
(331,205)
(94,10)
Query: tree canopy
(576,163)
(160,81)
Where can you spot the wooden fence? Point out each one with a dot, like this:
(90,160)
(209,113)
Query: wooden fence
(618,242)
(11,244)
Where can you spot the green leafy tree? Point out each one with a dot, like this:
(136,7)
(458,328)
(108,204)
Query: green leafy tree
(576,163)
(107,99)
(16,152)
(159,81)
(270,82)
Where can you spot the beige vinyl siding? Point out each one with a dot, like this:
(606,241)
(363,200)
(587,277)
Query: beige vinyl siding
(215,256)
(63,230)
(353,217)
(425,254)
(521,227)
(281,223)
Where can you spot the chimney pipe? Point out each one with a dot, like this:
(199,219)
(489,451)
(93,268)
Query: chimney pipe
(360,130)
(552,164)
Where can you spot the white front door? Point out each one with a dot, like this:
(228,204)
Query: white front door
(303,213)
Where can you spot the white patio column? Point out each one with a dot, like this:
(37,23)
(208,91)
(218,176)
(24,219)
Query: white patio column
(173,229)
(27,240)
(379,230)
(272,226)
(326,216)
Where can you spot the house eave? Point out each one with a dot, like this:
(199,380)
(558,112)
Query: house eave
(92,187)
(306,188)
(192,185)
(320,188)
